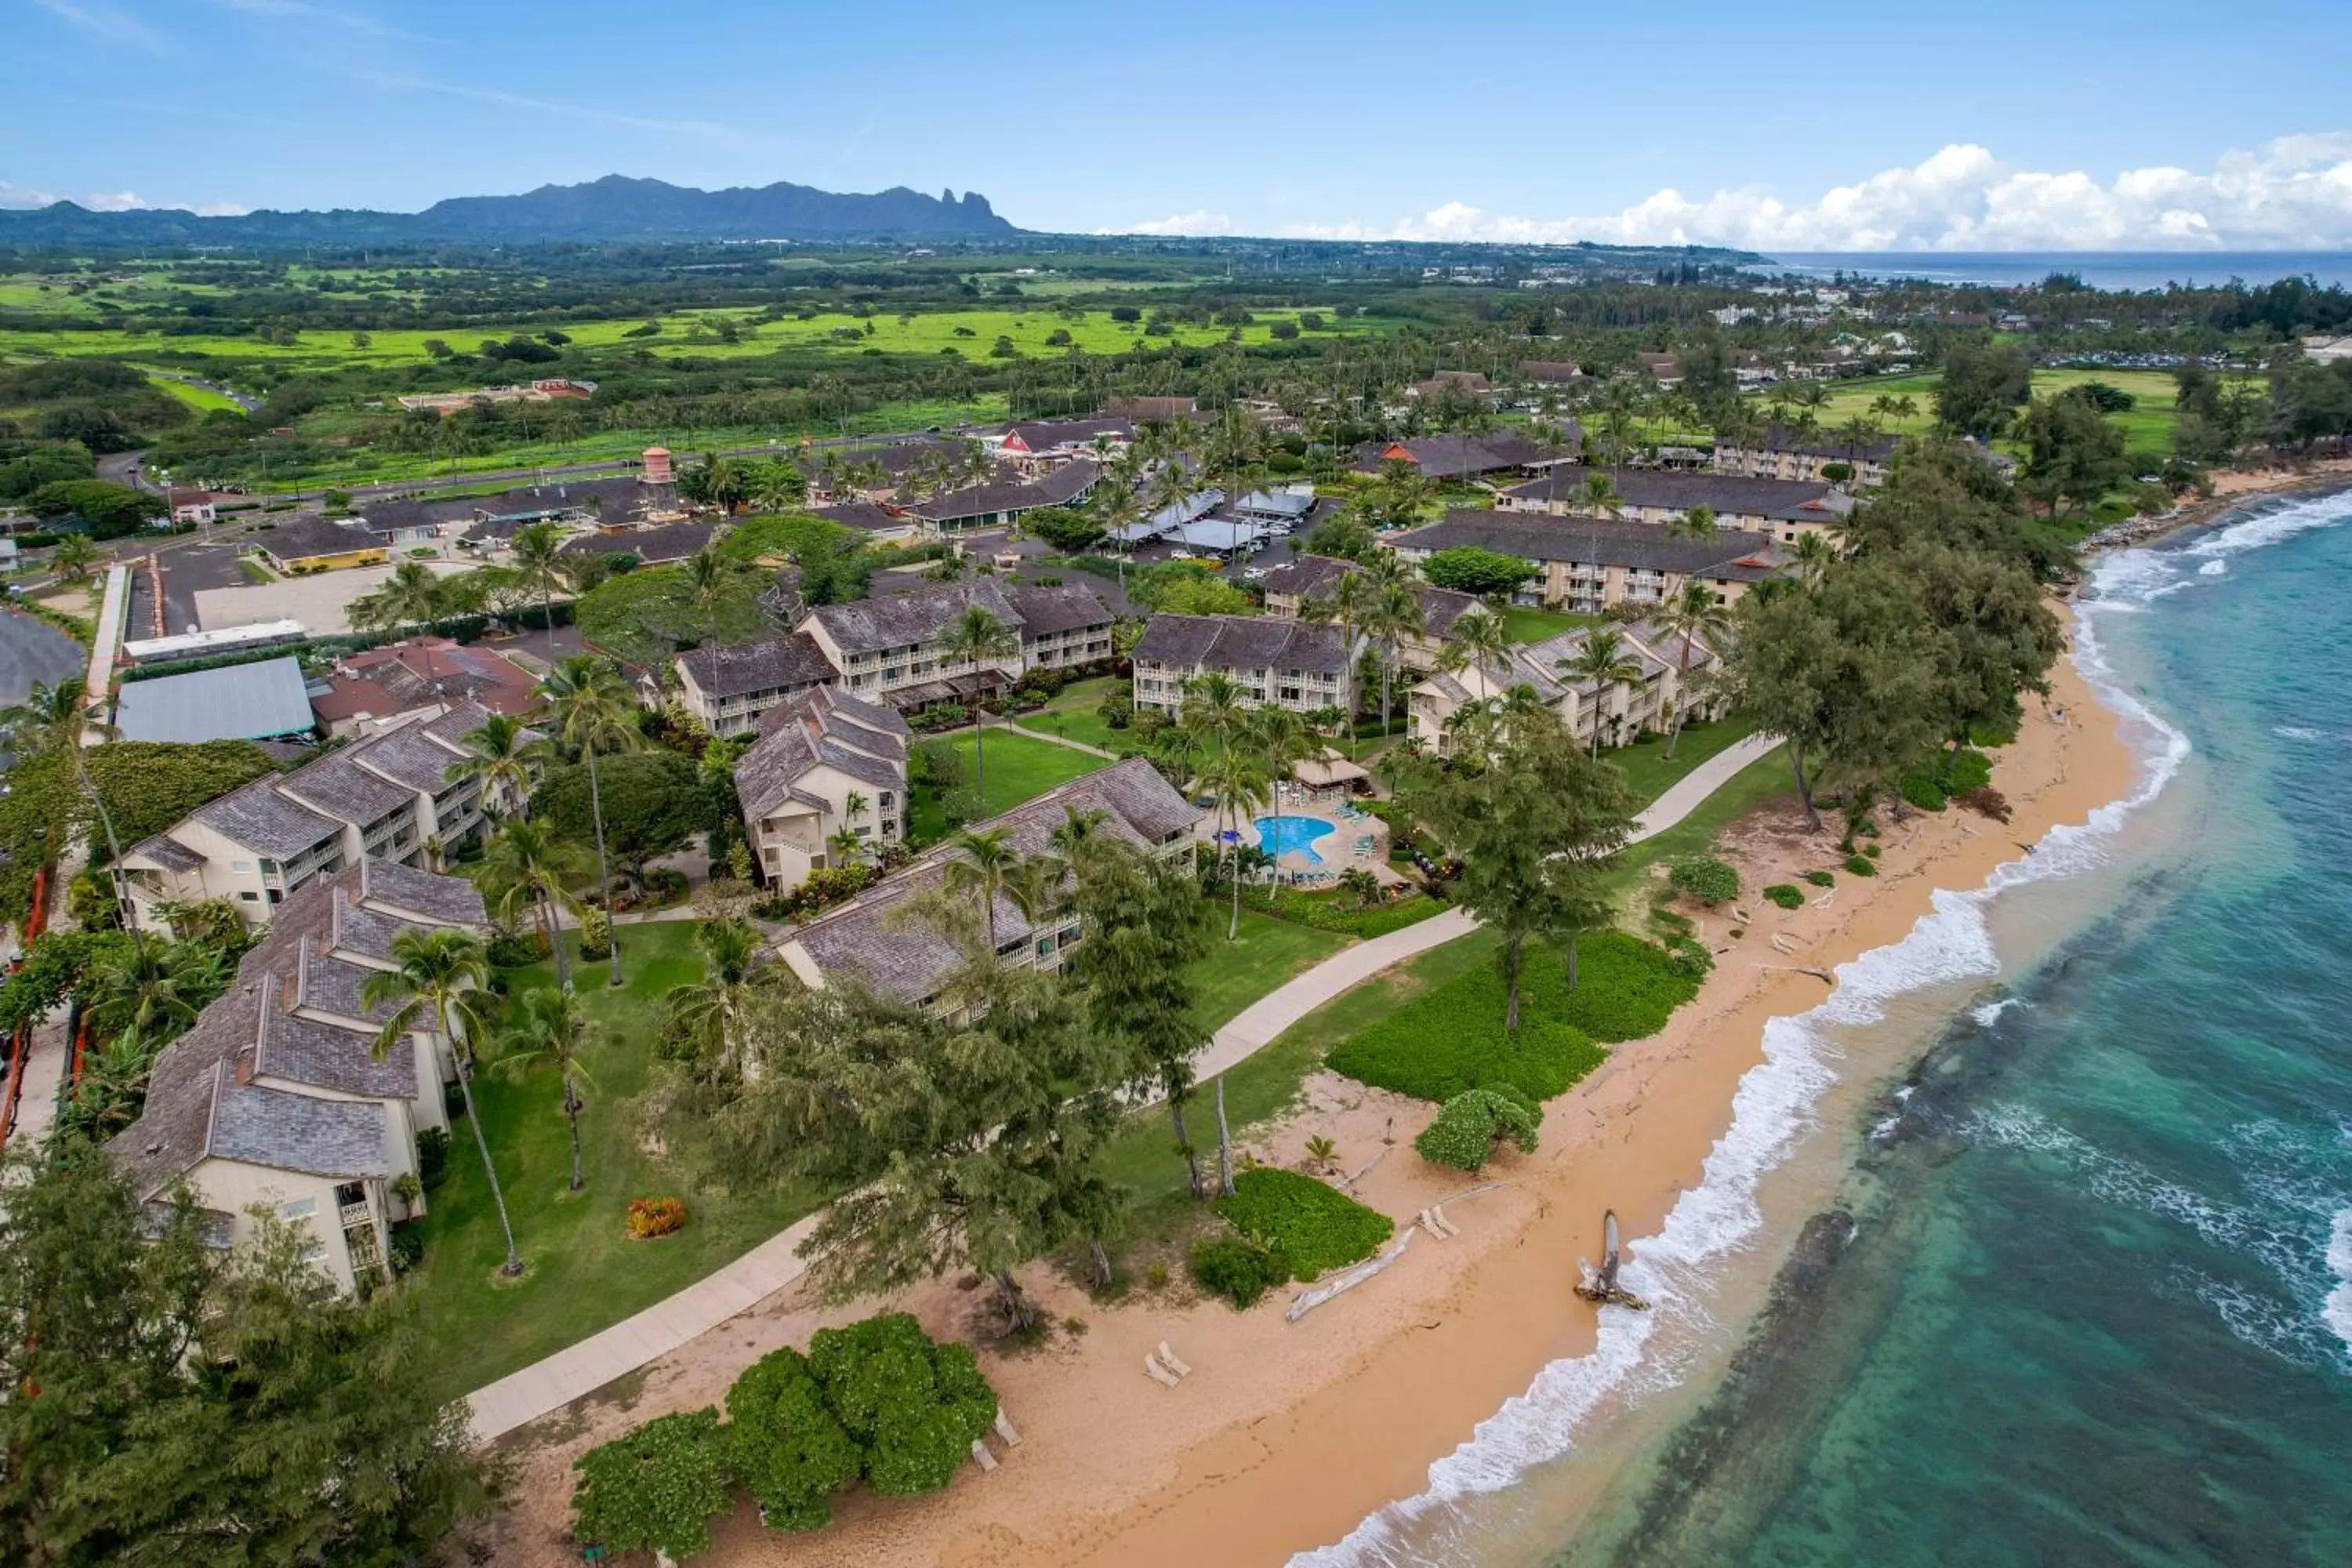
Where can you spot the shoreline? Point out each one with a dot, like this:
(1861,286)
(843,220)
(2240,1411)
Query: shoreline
(1289,1435)
(2232,488)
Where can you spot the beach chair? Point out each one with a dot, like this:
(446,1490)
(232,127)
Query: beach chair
(1158,1374)
(1168,1358)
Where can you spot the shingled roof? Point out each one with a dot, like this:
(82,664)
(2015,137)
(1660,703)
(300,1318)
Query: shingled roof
(909,619)
(257,817)
(1059,487)
(1243,642)
(1606,542)
(771,664)
(1315,576)
(1677,489)
(1464,457)
(1046,611)
(822,727)
(866,942)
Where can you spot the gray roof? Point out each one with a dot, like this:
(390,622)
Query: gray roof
(1041,435)
(265,821)
(1820,444)
(452,728)
(1312,576)
(238,702)
(864,741)
(862,514)
(1678,489)
(1243,642)
(338,785)
(909,619)
(1292,504)
(1456,457)
(362,929)
(167,852)
(309,534)
(671,542)
(771,664)
(869,942)
(1045,611)
(331,985)
(1537,536)
(326,1056)
(290,1131)
(410,757)
(1059,487)
(391,887)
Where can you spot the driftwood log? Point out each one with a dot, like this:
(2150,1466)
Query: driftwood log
(1599,1286)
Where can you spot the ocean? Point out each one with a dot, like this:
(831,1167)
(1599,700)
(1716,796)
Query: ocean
(2032,1245)
(2121,270)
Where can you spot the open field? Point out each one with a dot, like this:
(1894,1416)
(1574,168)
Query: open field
(204,400)
(1526,623)
(2147,427)
(693,334)
(585,1271)
(1019,770)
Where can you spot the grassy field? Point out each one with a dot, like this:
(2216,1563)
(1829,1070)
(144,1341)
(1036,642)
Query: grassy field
(1526,623)
(695,334)
(204,400)
(2147,427)
(1019,770)
(1072,714)
(1651,775)
(585,1271)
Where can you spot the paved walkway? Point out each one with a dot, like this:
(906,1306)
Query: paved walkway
(112,608)
(549,1384)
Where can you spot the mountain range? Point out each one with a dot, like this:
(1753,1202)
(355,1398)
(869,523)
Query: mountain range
(613,208)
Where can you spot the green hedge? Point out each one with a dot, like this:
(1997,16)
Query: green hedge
(1787,895)
(1473,1123)
(1452,1039)
(1861,866)
(1340,913)
(1821,879)
(1312,1224)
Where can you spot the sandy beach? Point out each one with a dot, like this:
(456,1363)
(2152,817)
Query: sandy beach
(1288,1435)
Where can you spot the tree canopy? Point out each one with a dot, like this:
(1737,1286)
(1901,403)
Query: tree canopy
(653,802)
(1466,569)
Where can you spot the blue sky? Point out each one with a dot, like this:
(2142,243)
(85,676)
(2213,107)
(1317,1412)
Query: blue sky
(1834,126)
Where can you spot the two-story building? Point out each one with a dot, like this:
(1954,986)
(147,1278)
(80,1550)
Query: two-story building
(870,942)
(1458,456)
(1291,587)
(730,688)
(1302,666)
(277,1099)
(1591,565)
(890,647)
(1779,454)
(824,764)
(1001,502)
(386,797)
(1665,497)
(1668,679)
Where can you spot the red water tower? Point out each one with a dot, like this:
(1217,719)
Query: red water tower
(656,470)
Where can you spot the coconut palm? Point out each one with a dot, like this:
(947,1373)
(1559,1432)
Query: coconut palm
(499,757)
(977,638)
(437,986)
(1814,556)
(51,721)
(1691,618)
(524,863)
(1392,614)
(210,923)
(982,870)
(1600,494)
(1479,637)
(592,711)
(1279,738)
(1347,604)
(411,599)
(1697,524)
(711,1013)
(548,1026)
(156,991)
(72,559)
(1603,661)
(779,485)
(708,579)
(537,558)
(1236,779)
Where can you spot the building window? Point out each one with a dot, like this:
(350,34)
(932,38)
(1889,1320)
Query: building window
(300,1208)
(249,897)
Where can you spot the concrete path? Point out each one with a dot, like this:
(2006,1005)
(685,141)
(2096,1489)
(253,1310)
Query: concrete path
(549,1384)
(111,609)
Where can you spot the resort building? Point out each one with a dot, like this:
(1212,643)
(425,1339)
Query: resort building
(1289,588)
(308,542)
(1302,666)
(657,546)
(869,942)
(1440,458)
(1663,498)
(275,1098)
(824,764)
(1591,565)
(1002,502)
(1621,712)
(730,688)
(1779,454)
(889,649)
(421,678)
(386,798)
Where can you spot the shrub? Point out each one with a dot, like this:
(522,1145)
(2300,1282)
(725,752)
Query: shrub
(1236,1269)
(1871,850)
(1861,866)
(656,1490)
(1313,1225)
(1473,1123)
(1342,912)
(1920,789)
(595,934)
(1689,957)
(407,1244)
(1984,802)
(649,1217)
(1786,895)
(785,1444)
(432,1156)
(1700,877)
(914,1407)
(1820,879)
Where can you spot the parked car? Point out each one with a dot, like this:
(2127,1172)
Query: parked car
(1252,574)
(1180,555)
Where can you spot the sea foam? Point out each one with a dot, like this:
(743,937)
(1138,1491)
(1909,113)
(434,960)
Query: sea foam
(2338,1309)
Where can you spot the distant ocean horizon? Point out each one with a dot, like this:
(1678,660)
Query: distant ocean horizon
(2117,269)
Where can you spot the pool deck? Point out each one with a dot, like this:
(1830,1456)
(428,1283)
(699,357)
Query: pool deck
(1356,842)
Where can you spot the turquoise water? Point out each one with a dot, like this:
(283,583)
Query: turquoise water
(1278,836)
(2062,1275)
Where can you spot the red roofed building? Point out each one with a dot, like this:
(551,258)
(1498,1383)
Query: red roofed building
(387,687)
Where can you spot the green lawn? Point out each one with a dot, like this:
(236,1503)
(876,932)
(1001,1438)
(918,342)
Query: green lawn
(204,400)
(1268,952)
(1528,625)
(584,1273)
(1649,773)
(1018,769)
(1750,787)
(1072,714)
(2148,429)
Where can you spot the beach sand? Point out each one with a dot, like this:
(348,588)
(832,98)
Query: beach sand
(1286,1436)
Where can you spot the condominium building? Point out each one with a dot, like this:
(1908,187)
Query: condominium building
(276,1099)
(1620,710)
(824,764)
(387,797)
(1299,665)
(1590,564)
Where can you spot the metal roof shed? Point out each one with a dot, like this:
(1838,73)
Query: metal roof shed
(238,702)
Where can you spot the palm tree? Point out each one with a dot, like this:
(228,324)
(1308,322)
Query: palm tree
(1697,524)
(437,986)
(549,1027)
(982,870)
(1814,556)
(499,757)
(156,991)
(1603,661)
(1600,493)
(1348,603)
(412,597)
(779,485)
(538,561)
(1691,618)
(52,720)
(1279,738)
(976,638)
(708,579)
(1392,615)
(213,922)
(592,710)
(1237,780)
(73,557)
(1479,637)
(525,863)
(711,1012)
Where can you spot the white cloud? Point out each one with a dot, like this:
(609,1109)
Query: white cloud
(15,195)
(106,22)
(2294,193)
(1198,221)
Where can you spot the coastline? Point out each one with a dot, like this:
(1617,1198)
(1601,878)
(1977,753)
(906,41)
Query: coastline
(1289,1435)
(2232,488)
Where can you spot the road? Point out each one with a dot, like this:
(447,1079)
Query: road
(32,651)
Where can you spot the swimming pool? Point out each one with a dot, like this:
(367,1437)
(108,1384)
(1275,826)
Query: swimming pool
(1278,836)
